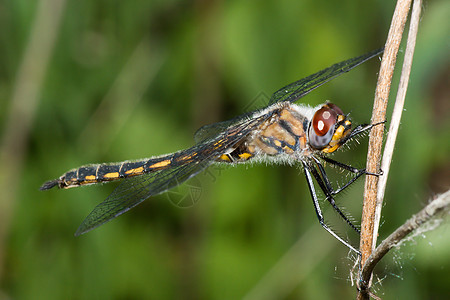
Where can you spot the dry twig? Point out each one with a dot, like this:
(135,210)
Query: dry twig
(379,115)
(374,191)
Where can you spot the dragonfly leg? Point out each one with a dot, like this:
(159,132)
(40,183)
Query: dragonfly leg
(326,188)
(358,172)
(308,169)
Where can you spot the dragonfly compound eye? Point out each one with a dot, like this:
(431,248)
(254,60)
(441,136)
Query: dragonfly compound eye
(322,126)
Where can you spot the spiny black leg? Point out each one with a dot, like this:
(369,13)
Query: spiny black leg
(340,189)
(307,169)
(348,167)
(358,172)
(341,165)
(324,176)
(329,196)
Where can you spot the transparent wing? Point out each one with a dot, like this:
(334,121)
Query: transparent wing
(300,88)
(132,191)
(211,131)
(291,93)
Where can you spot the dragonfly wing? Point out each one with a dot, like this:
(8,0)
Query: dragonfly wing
(184,165)
(132,191)
(212,131)
(292,92)
(300,88)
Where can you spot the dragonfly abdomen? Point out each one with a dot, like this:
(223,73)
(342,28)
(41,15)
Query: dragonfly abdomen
(91,174)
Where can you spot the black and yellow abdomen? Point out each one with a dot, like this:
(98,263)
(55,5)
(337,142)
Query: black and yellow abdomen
(96,173)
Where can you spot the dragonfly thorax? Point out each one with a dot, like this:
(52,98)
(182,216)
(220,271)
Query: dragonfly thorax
(292,133)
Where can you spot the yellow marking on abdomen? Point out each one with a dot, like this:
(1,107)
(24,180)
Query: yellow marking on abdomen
(160,164)
(186,157)
(139,170)
(89,177)
(111,175)
(245,155)
(225,158)
(72,181)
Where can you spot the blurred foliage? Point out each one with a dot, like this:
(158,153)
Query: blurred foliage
(132,79)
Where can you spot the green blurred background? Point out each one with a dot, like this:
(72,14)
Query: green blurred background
(100,81)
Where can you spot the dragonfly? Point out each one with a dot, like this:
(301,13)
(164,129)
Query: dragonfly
(282,132)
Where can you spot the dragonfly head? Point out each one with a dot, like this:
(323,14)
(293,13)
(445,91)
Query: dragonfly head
(328,128)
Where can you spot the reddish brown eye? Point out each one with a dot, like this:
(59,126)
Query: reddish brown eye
(324,119)
(335,108)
